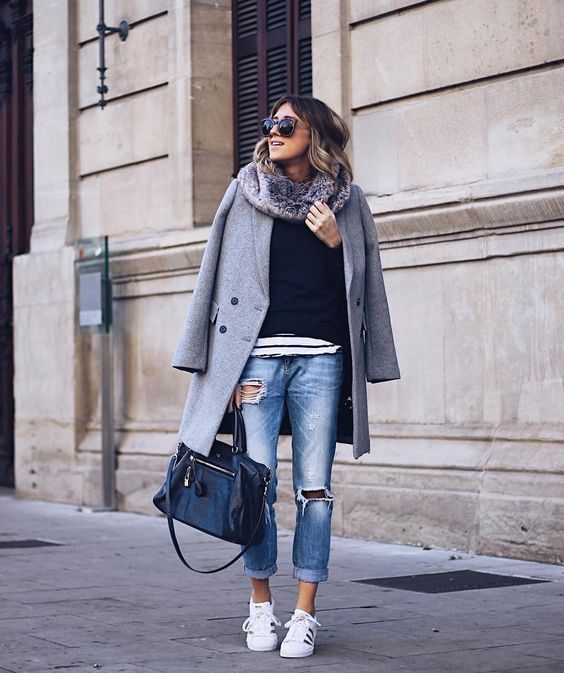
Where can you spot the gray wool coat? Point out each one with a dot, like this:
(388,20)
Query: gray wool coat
(229,304)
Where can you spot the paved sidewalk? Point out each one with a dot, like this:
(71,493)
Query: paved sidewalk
(115,598)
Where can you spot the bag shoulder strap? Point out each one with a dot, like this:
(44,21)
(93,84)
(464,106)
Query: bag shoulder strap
(173,532)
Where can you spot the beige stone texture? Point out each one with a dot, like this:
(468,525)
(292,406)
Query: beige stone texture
(419,301)
(525,123)
(524,352)
(142,61)
(125,132)
(478,343)
(450,43)
(153,392)
(132,202)
(149,393)
(442,142)
(361,10)
(524,521)
(212,103)
(488,37)
(138,479)
(45,461)
(327,82)
(514,225)
(175,265)
(114,12)
(375,151)
(210,183)
(330,49)
(326,17)
(403,514)
(480,133)
(423,142)
(52,120)
(389,69)
(44,379)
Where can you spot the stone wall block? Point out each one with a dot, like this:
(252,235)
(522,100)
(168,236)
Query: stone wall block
(395,515)
(441,140)
(525,123)
(375,145)
(523,527)
(51,122)
(140,62)
(468,41)
(152,391)
(44,385)
(497,131)
(124,132)
(114,12)
(132,201)
(366,9)
(331,74)
(45,462)
(389,70)
(524,364)
(451,43)
(418,322)
(211,92)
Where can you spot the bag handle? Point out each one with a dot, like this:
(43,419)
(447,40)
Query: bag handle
(239,433)
(240,443)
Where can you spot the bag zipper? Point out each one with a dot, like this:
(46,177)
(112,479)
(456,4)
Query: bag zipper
(213,466)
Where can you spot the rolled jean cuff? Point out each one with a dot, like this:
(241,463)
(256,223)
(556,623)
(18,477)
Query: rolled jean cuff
(260,574)
(310,575)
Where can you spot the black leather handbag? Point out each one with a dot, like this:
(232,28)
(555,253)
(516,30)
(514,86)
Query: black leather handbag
(223,494)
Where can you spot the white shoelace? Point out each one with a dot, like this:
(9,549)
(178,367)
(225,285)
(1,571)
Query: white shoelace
(260,622)
(298,627)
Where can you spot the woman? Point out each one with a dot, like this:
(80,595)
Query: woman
(288,320)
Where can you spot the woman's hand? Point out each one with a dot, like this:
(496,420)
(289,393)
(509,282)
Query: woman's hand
(235,396)
(321,220)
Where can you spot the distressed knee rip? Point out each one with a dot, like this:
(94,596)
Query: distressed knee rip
(314,495)
(312,421)
(252,390)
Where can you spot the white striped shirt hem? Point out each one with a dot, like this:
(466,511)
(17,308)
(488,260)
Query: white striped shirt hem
(290,344)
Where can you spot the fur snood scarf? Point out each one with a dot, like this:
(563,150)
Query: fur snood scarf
(281,197)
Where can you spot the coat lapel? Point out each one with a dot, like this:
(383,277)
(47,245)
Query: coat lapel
(262,232)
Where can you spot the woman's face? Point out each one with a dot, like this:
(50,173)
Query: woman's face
(292,148)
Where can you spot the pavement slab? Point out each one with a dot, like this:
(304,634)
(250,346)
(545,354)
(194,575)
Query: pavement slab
(113,597)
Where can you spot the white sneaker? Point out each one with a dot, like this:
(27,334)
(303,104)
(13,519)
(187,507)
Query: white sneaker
(259,625)
(301,635)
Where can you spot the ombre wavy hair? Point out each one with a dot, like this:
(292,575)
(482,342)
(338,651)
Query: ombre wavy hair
(329,136)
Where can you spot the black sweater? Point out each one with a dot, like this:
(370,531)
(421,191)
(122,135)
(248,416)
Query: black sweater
(307,285)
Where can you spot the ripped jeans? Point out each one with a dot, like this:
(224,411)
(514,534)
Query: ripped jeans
(310,386)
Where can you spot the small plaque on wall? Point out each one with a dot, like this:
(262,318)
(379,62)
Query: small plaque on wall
(94,296)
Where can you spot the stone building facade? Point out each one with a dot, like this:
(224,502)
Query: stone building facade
(457,116)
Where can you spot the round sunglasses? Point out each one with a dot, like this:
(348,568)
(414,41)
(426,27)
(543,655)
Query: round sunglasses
(286,126)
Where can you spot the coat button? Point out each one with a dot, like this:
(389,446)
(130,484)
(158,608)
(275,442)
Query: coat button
(223,329)
(358,301)
(234,300)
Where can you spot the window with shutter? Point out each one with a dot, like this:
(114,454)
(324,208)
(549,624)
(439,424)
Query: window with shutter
(271,57)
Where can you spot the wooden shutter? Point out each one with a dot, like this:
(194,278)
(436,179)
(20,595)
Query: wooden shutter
(272,57)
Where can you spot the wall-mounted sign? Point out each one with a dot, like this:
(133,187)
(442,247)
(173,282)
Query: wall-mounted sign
(94,293)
